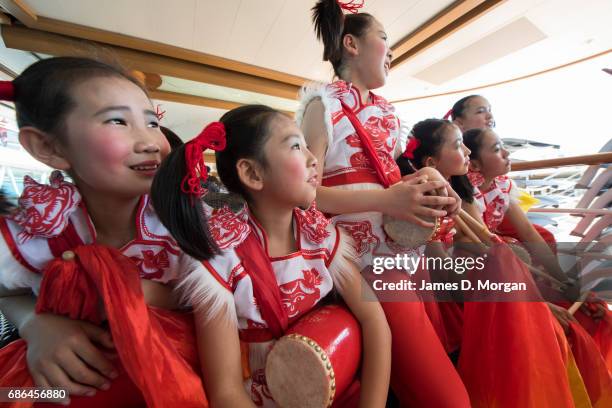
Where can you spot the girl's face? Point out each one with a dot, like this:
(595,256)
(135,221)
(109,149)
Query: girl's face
(453,158)
(493,160)
(112,141)
(373,61)
(290,175)
(476,115)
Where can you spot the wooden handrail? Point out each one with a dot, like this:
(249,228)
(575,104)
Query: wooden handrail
(573,211)
(597,158)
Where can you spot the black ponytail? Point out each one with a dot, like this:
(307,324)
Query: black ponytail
(181,213)
(247,129)
(331,25)
(328,20)
(5,205)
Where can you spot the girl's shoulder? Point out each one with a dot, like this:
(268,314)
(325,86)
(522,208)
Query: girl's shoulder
(44,212)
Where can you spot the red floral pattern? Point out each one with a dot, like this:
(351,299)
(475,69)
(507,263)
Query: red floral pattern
(495,201)
(361,232)
(259,388)
(44,210)
(151,264)
(313,223)
(227,228)
(300,295)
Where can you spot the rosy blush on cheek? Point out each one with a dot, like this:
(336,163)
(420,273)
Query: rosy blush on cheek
(108,148)
(294,169)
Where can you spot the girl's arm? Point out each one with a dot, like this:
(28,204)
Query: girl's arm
(406,200)
(219,348)
(61,352)
(159,294)
(534,242)
(376,368)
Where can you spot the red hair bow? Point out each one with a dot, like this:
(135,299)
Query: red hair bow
(413,144)
(212,137)
(7,91)
(448,114)
(352,6)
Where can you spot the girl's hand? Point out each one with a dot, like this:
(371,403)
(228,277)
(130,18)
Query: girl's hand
(410,200)
(562,315)
(594,307)
(62,353)
(447,191)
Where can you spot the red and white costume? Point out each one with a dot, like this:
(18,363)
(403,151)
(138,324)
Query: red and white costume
(495,201)
(303,278)
(422,374)
(48,245)
(346,164)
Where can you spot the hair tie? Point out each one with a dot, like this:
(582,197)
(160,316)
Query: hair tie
(212,137)
(448,114)
(352,6)
(7,91)
(412,145)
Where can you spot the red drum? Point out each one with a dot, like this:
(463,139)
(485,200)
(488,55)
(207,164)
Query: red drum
(316,360)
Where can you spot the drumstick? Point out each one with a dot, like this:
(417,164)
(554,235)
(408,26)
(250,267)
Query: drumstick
(467,230)
(574,308)
(481,229)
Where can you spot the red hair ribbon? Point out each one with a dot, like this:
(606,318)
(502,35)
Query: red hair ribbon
(352,6)
(212,137)
(7,91)
(412,145)
(448,114)
(159,113)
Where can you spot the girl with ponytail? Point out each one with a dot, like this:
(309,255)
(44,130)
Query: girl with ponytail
(93,250)
(268,261)
(356,136)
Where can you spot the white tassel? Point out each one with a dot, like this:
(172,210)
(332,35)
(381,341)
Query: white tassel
(344,265)
(199,288)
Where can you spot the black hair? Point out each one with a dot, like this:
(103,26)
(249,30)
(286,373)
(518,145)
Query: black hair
(172,138)
(43,90)
(473,140)
(460,106)
(247,130)
(430,134)
(6,206)
(331,25)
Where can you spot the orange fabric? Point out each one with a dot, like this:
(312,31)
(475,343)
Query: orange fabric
(600,330)
(510,355)
(591,364)
(507,229)
(157,348)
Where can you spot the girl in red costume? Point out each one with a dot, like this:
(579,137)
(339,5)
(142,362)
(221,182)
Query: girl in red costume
(493,193)
(521,334)
(474,112)
(274,261)
(89,249)
(356,136)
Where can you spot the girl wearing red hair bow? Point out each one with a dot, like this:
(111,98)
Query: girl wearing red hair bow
(356,136)
(267,263)
(93,250)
